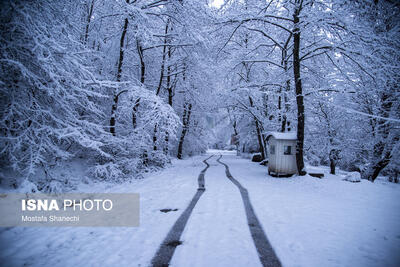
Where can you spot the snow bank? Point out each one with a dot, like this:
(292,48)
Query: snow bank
(354,177)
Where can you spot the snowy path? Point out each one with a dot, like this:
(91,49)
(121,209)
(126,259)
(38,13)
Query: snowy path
(217,233)
(309,222)
(167,248)
(265,251)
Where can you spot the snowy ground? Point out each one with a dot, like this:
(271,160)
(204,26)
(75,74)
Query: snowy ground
(217,233)
(71,246)
(325,222)
(309,222)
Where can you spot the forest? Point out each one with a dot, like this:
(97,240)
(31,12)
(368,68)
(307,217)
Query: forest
(218,132)
(126,86)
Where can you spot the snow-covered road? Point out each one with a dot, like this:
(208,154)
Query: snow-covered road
(309,222)
(217,233)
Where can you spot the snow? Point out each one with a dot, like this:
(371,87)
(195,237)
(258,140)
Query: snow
(217,233)
(324,222)
(309,222)
(221,152)
(101,246)
(283,136)
(353,177)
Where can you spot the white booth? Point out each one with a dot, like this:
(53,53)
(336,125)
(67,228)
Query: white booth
(282,153)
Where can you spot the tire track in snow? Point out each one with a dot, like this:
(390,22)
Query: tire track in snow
(167,248)
(264,249)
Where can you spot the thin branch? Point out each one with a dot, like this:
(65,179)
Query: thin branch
(322,90)
(315,55)
(277,17)
(358,64)
(123,91)
(263,61)
(171,45)
(350,110)
(155,4)
(316,49)
(266,35)
(230,37)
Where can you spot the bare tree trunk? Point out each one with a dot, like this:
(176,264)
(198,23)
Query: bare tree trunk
(260,140)
(134,113)
(259,133)
(285,123)
(333,157)
(163,60)
(155,138)
(285,108)
(142,79)
(158,90)
(280,106)
(170,97)
(372,172)
(299,89)
(186,120)
(119,71)
(382,153)
(333,167)
(166,148)
(135,108)
(121,49)
(141,58)
(236,137)
(169,86)
(89,18)
(113,111)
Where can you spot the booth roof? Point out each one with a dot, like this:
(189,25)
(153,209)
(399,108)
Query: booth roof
(282,136)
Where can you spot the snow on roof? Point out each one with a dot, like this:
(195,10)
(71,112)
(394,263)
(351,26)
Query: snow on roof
(282,136)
